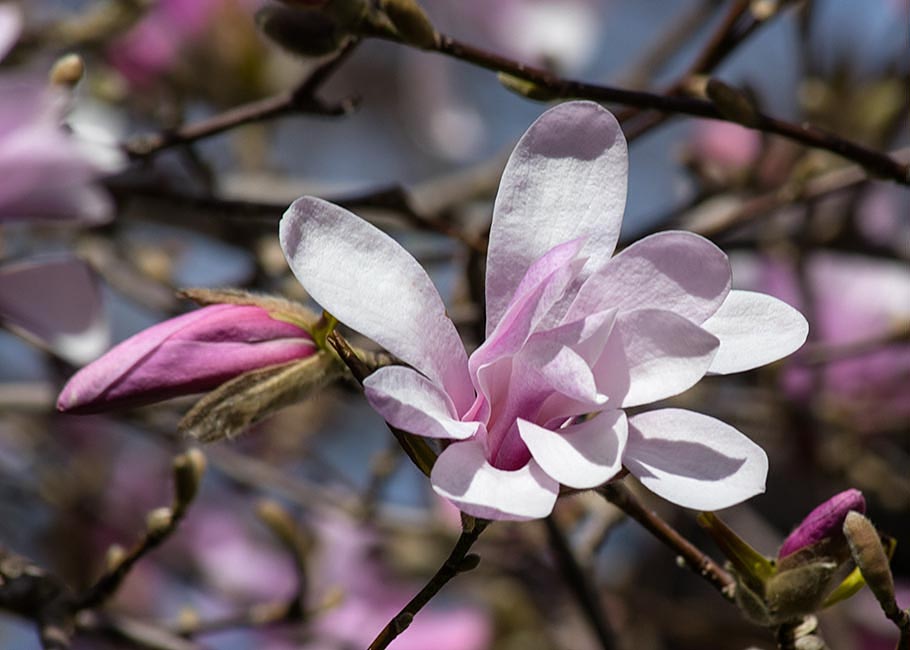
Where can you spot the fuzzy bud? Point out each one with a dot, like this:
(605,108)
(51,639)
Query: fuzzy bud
(870,557)
(67,71)
(188,470)
(159,520)
(732,103)
(411,22)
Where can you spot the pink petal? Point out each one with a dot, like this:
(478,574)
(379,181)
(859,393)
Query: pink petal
(674,271)
(58,301)
(694,460)
(370,283)
(10,27)
(651,355)
(565,179)
(463,476)
(413,403)
(581,455)
(754,329)
(188,354)
(825,521)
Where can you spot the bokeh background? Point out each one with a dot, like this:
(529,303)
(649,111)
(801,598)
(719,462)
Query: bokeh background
(835,415)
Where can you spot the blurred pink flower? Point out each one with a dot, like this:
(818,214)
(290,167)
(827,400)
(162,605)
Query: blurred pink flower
(57,301)
(46,174)
(188,354)
(570,332)
(825,521)
(725,144)
(154,46)
(854,299)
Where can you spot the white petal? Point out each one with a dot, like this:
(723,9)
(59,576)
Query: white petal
(10,26)
(582,455)
(367,281)
(674,271)
(411,402)
(463,476)
(754,329)
(660,354)
(565,179)
(694,460)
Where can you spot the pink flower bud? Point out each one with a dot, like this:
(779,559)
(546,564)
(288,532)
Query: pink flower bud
(827,520)
(189,354)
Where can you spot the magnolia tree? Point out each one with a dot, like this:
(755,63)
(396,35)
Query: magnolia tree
(439,341)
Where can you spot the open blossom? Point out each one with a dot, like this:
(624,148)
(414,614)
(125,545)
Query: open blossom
(574,335)
(192,353)
(46,174)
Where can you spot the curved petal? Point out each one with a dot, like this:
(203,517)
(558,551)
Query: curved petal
(10,27)
(754,329)
(582,455)
(694,460)
(58,301)
(565,179)
(651,355)
(463,476)
(674,271)
(370,283)
(411,402)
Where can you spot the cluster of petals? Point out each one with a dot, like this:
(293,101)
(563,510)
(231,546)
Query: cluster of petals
(192,353)
(574,335)
(47,175)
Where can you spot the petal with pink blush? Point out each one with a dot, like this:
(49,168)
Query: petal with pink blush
(369,282)
(565,179)
(67,314)
(662,354)
(694,460)
(463,476)
(754,329)
(413,403)
(10,27)
(674,271)
(582,455)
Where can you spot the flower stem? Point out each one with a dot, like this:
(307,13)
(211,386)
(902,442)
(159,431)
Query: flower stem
(453,565)
(620,496)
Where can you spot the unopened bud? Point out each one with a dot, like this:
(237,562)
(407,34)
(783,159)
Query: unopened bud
(159,520)
(800,591)
(468,563)
(732,103)
(304,32)
(411,22)
(870,557)
(188,470)
(279,522)
(526,88)
(67,71)
(114,557)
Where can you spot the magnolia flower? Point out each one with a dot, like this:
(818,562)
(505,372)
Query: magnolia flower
(46,174)
(188,354)
(573,335)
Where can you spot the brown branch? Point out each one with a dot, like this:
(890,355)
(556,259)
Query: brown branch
(557,87)
(298,100)
(457,562)
(620,496)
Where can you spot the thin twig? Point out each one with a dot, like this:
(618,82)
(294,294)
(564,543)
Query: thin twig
(300,100)
(620,496)
(559,87)
(453,565)
(580,585)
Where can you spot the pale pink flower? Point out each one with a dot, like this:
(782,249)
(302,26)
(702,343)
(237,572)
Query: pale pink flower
(570,333)
(46,174)
(56,300)
(192,353)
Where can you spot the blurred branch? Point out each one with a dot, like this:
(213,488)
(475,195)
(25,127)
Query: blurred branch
(299,100)
(620,496)
(187,472)
(579,584)
(821,353)
(457,562)
(557,87)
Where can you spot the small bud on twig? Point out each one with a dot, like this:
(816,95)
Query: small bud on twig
(188,470)
(67,70)
(158,521)
(526,88)
(411,22)
(870,557)
(732,103)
